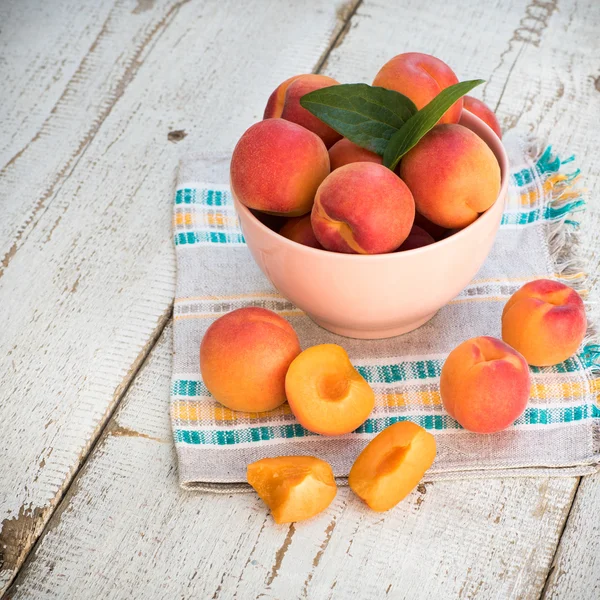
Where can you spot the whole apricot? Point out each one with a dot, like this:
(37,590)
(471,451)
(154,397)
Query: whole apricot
(299,229)
(244,357)
(284,103)
(484,112)
(545,321)
(420,77)
(417,238)
(362,208)
(453,176)
(345,152)
(435,231)
(277,166)
(485,384)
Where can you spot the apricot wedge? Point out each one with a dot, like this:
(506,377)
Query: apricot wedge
(391,465)
(295,488)
(326,393)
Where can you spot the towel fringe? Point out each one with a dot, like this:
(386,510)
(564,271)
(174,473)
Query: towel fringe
(564,201)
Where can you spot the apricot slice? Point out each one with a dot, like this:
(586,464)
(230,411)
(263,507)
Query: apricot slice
(326,393)
(295,488)
(391,465)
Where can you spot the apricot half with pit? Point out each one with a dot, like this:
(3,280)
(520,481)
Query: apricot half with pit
(326,393)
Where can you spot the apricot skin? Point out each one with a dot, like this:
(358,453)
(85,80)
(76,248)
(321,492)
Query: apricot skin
(277,166)
(345,152)
(545,321)
(417,238)
(244,357)
(421,77)
(295,488)
(453,176)
(299,229)
(392,464)
(362,208)
(284,103)
(485,384)
(326,393)
(435,231)
(484,112)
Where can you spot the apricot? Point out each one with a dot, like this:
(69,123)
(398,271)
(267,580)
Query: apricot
(421,78)
(362,208)
(299,229)
(326,393)
(284,102)
(453,176)
(485,384)
(295,488)
(484,112)
(392,464)
(545,321)
(244,357)
(435,231)
(417,238)
(345,152)
(277,166)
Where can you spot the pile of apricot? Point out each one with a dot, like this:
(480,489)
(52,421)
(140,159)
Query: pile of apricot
(337,196)
(251,361)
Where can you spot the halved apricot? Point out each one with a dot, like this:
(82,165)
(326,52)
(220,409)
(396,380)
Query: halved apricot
(295,488)
(392,464)
(326,393)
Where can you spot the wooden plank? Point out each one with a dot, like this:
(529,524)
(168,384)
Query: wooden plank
(66,67)
(90,285)
(44,63)
(125,529)
(575,571)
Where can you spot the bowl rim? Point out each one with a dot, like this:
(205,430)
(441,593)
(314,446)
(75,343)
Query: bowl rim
(343,256)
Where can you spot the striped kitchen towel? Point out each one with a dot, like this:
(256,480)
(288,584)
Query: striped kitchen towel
(559,432)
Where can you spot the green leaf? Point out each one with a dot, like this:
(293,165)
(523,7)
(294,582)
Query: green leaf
(368,116)
(423,121)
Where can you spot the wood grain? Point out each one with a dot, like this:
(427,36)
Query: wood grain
(125,529)
(88,281)
(575,571)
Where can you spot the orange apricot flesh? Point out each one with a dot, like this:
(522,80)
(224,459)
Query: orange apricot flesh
(392,464)
(326,393)
(295,488)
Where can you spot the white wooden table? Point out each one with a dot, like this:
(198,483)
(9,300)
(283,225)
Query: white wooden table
(89,502)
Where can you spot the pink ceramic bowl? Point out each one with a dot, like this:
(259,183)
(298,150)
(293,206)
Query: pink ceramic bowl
(382,295)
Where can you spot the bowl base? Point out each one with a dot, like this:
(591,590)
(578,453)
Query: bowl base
(372,334)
